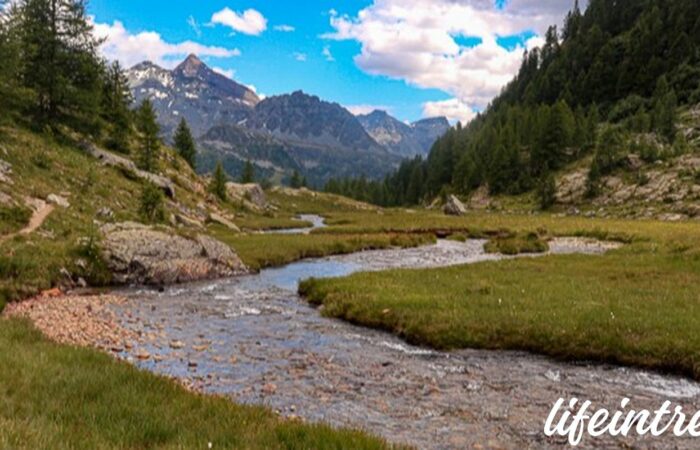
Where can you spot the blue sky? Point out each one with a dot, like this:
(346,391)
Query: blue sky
(432,57)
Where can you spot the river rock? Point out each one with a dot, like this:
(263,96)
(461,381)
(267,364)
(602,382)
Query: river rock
(454,207)
(139,254)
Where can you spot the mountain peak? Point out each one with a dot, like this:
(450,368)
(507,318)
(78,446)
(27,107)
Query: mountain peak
(191,66)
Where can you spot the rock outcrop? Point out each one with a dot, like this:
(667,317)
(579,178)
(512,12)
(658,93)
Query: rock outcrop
(139,254)
(251,195)
(120,162)
(454,207)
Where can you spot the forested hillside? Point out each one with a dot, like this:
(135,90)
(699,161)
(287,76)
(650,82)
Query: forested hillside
(618,70)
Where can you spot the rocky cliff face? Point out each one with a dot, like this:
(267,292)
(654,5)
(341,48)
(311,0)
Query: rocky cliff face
(193,91)
(401,139)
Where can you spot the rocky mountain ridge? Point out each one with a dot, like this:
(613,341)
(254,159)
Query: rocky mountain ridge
(280,134)
(406,140)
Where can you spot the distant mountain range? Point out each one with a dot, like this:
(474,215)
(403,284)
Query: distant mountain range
(279,134)
(402,139)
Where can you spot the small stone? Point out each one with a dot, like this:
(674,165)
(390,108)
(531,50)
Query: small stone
(192,364)
(177,345)
(269,389)
(143,355)
(58,201)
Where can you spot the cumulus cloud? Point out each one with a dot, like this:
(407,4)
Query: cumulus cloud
(249,21)
(228,73)
(359,110)
(130,49)
(418,43)
(327,54)
(285,28)
(454,109)
(301,57)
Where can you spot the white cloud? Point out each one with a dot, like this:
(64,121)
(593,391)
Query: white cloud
(358,110)
(327,54)
(416,43)
(454,109)
(249,21)
(301,57)
(285,28)
(228,73)
(192,22)
(129,49)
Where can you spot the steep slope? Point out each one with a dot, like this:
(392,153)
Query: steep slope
(193,91)
(401,139)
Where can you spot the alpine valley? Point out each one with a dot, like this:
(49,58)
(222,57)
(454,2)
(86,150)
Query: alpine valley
(280,135)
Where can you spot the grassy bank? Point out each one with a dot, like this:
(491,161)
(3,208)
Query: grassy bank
(636,306)
(59,397)
(266,250)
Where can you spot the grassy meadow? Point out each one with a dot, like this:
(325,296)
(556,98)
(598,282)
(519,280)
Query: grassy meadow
(639,305)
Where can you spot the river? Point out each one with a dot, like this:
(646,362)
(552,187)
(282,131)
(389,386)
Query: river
(255,340)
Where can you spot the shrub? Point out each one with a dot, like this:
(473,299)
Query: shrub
(547,191)
(151,208)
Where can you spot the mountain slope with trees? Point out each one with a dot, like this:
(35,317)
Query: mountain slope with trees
(611,83)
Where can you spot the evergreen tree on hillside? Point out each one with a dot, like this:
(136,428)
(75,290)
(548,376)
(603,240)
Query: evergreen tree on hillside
(59,61)
(149,140)
(218,183)
(184,144)
(12,95)
(248,175)
(116,99)
(664,114)
(295,182)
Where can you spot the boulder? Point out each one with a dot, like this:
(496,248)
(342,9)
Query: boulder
(481,198)
(454,207)
(139,254)
(120,162)
(221,220)
(252,195)
(58,200)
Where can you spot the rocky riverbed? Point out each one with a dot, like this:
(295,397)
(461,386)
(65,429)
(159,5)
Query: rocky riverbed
(253,339)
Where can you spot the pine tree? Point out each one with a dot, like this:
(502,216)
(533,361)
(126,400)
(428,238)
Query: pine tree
(248,175)
(546,191)
(665,106)
(149,130)
(12,95)
(295,181)
(184,144)
(218,182)
(60,62)
(116,100)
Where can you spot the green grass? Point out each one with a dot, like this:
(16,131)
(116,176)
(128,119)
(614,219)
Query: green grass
(252,222)
(59,397)
(266,250)
(13,218)
(516,244)
(639,305)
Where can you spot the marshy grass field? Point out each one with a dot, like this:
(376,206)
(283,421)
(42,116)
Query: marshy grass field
(639,305)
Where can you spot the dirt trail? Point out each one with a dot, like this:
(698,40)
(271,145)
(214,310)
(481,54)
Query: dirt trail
(41,209)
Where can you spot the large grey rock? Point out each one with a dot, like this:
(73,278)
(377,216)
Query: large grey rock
(252,195)
(114,160)
(454,207)
(138,254)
